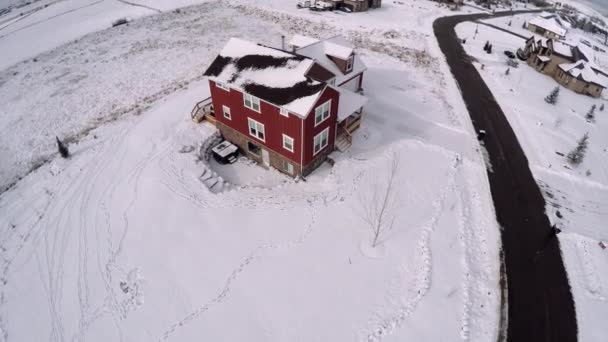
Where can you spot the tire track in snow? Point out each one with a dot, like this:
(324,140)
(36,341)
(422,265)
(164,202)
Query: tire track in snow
(140,5)
(255,254)
(50,18)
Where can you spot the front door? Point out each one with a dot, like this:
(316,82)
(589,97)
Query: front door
(266,158)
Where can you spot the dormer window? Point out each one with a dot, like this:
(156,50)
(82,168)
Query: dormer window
(349,63)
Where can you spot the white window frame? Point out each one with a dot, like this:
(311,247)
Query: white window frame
(222,86)
(288,167)
(256,129)
(323,117)
(350,62)
(226,110)
(320,138)
(284,112)
(290,140)
(252,101)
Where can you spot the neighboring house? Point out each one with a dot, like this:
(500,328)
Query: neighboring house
(582,78)
(362,5)
(548,54)
(548,27)
(282,108)
(568,65)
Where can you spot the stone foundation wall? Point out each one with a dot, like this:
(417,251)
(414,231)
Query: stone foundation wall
(277,161)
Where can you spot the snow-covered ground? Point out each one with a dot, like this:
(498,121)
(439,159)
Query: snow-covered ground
(66,20)
(577,197)
(122,242)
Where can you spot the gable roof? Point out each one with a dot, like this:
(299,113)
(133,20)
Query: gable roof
(272,75)
(299,41)
(334,46)
(583,71)
(549,25)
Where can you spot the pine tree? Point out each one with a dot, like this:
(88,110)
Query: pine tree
(63,150)
(509,22)
(490,48)
(575,157)
(591,114)
(552,98)
(524,25)
(485,47)
(508,71)
(602,108)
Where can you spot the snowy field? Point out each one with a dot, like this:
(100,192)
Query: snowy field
(577,197)
(171,49)
(66,20)
(122,242)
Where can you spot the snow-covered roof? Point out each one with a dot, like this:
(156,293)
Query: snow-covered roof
(300,41)
(319,52)
(544,58)
(549,25)
(270,74)
(582,70)
(350,102)
(338,51)
(562,49)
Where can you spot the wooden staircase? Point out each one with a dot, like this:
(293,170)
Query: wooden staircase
(343,142)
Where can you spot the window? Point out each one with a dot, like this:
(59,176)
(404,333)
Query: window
(226,111)
(222,86)
(253,148)
(288,143)
(287,167)
(284,112)
(251,102)
(349,63)
(321,140)
(256,129)
(322,112)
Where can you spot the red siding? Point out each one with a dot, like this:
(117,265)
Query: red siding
(309,125)
(275,124)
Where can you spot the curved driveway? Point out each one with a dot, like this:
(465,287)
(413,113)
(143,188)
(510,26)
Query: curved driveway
(540,304)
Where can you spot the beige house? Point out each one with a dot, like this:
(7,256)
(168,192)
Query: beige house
(548,54)
(548,27)
(581,78)
(567,64)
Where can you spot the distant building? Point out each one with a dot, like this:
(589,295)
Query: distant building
(548,26)
(582,78)
(568,65)
(362,5)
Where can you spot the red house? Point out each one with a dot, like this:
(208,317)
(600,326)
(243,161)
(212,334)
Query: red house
(282,108)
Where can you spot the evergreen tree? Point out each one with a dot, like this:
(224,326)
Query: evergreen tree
(524,25)
(591,114)
(552,98)
(485,47)
(575,157)
(508,71)
(490,48)
(63,150)
(509,22)
(602,108)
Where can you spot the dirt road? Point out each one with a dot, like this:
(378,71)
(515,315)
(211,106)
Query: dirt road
(540,304)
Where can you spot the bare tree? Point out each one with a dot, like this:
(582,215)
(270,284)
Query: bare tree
(378,207)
